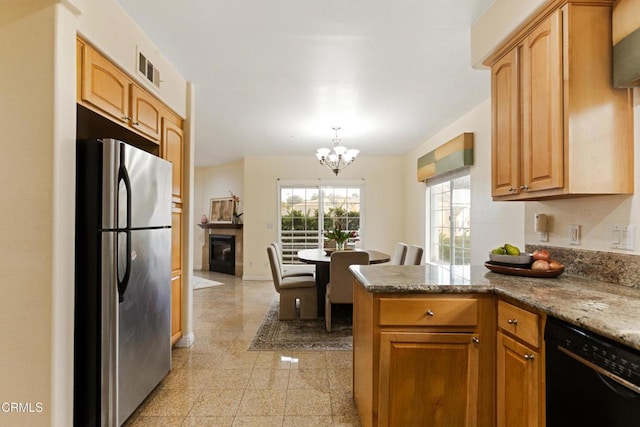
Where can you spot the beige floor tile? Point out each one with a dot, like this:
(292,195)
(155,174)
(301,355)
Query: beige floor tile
(311,421)
(269,421)
(340,378)
(245,360)
(342,402)
(155,422)
(217,403)
(346,421)
(310,360)
(208,422)
(231,379)
(262,403)
(273,360)
(339,359)
(271,379)
(169,403)
(309,379)
(307,402)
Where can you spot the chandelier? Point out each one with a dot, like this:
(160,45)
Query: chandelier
(338,158)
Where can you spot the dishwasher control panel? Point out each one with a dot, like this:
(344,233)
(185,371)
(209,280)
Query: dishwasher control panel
(613,357)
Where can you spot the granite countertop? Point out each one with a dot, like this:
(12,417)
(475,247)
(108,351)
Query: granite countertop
(610,310)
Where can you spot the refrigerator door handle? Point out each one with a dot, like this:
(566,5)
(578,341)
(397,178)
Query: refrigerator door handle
(123,177)
(124,281)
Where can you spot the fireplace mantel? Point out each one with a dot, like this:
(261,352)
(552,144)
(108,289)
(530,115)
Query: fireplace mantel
(221,226)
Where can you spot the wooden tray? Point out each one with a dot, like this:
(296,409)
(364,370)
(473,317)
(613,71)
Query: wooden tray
(526,272)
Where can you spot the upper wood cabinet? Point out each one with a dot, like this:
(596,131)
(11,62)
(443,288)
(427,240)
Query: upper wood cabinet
(172,150)
(559,128)
(145,113)
(104,86)
(105,89)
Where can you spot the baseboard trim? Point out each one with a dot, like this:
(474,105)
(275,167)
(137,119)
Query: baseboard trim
(186,340)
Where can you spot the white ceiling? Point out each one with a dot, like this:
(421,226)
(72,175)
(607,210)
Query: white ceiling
(273,77)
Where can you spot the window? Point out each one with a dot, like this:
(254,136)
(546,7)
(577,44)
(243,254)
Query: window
(301,226)
(449,225)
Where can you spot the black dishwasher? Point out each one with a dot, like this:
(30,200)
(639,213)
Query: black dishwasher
(590,380)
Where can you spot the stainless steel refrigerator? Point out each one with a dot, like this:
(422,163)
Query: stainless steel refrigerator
(122,335)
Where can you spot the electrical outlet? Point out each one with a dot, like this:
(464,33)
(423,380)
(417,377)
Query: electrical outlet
(574,234)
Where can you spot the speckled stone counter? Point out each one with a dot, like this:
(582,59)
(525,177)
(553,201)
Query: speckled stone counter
(610,310)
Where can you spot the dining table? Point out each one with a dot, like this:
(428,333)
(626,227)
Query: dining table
(322,260)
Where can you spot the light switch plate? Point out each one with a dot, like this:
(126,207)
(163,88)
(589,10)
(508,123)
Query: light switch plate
(623,237)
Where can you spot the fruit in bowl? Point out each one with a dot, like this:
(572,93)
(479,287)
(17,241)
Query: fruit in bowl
(510,254)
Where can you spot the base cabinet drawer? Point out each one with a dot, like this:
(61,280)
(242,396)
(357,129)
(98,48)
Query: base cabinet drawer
(428,311)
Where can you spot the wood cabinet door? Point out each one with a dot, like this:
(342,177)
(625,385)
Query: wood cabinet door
(145,113)
(104,86)
(176,308)
(428,379)
(518,384)
(542,107)
(176,239)
(172,150)
(505,117)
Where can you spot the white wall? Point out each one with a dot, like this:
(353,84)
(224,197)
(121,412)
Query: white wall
(497,23)
(383,211)
(492,223)
(37,82)
(213,182)
(596,215)
(109,29)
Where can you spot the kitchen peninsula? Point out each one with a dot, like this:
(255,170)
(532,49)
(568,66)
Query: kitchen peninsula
(420,329)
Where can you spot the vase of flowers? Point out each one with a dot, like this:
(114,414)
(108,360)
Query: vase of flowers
(340,236)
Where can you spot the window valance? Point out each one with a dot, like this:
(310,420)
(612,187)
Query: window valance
(451,156)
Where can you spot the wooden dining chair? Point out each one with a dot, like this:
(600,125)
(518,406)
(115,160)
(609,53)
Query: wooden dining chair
(340,286)
(414,255)
(302,289)
(399,254)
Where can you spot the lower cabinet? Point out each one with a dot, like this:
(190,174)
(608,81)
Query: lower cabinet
(428,377)
(519,362)
(176,309)
(423,359)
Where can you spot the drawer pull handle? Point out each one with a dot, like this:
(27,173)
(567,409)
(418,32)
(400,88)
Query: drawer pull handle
(529,356)
(512,321)
(476,340)
(430,313)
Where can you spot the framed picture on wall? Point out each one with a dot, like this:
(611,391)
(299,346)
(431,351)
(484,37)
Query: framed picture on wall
(221,210)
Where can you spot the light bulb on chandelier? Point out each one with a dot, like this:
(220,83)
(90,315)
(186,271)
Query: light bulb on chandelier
(338,158)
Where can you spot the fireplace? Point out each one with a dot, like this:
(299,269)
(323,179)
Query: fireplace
(222,253)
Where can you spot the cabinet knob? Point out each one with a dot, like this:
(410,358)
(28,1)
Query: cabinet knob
(529,356)
(476,340)
(512,189)
(430,313)
(524,187)
(135,123)
(512,321)
(125,118)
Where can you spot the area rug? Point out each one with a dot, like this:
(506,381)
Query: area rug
(202,283)
(275,334)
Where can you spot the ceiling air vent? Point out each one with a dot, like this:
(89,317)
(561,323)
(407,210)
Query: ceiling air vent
(148,70)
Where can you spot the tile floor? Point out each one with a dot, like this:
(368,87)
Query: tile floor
(217,382)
